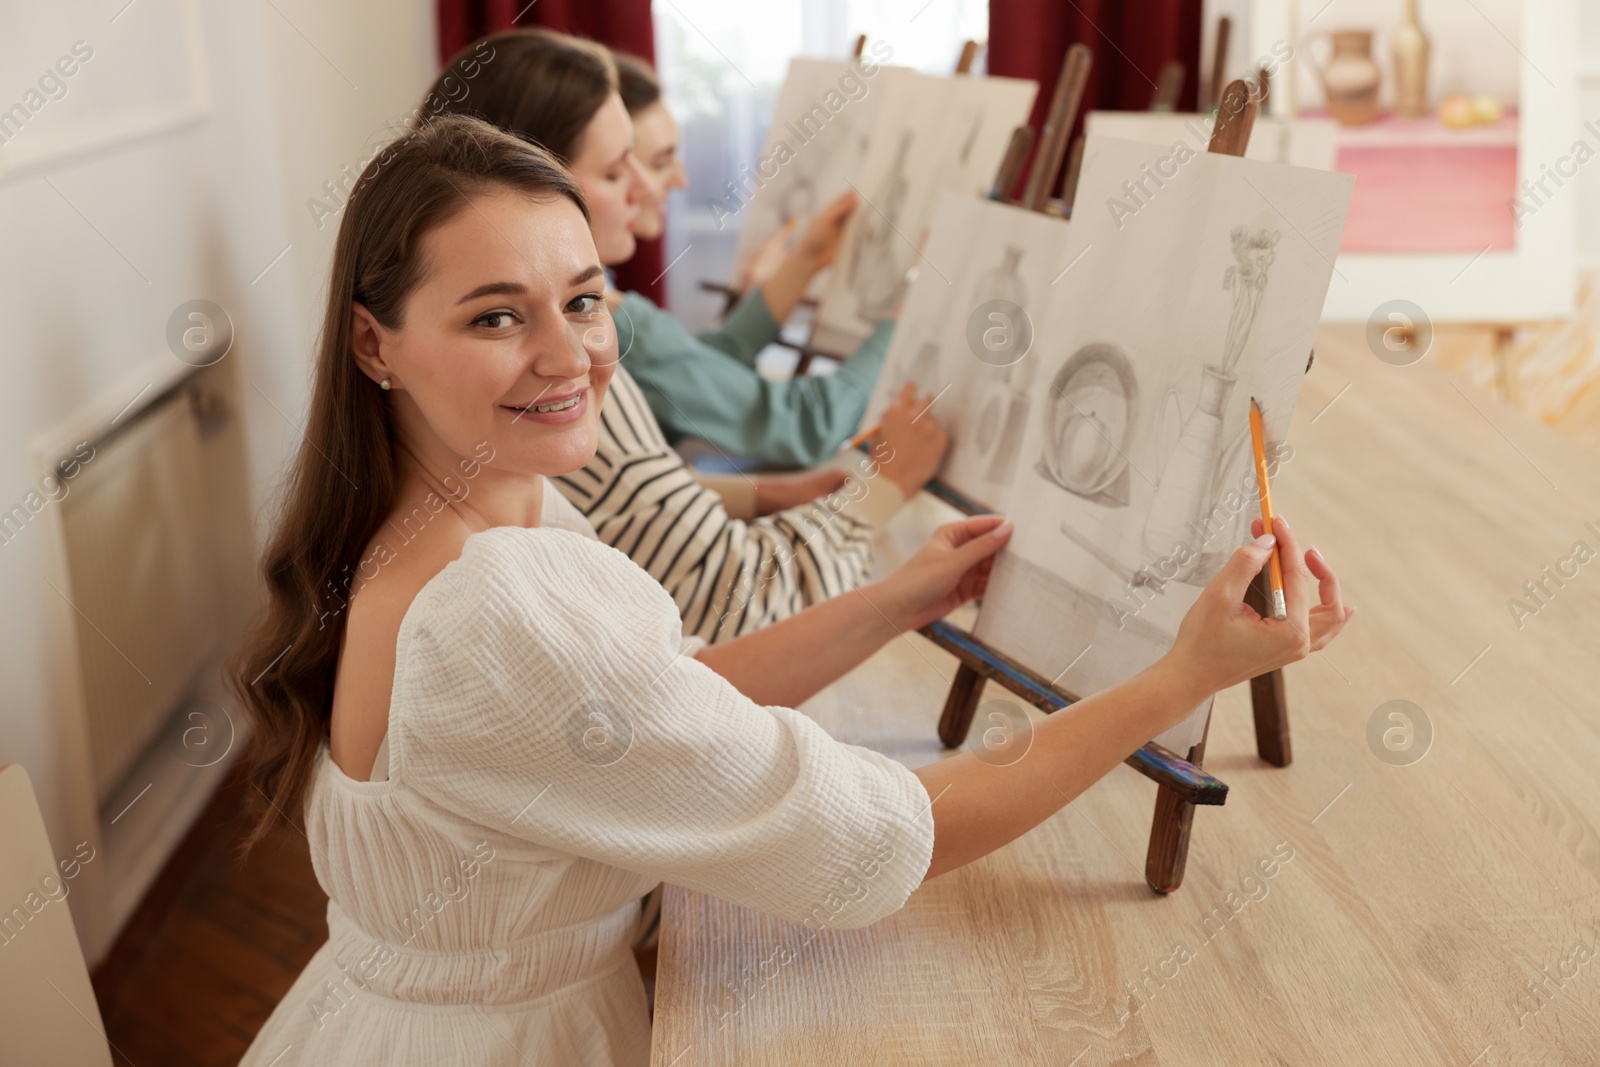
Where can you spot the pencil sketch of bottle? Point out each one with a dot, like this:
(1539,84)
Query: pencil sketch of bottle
(964,153)
(876,272)
(1182,484)
(1004,411)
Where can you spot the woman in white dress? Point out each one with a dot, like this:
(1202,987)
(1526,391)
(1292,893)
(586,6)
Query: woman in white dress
(495,734)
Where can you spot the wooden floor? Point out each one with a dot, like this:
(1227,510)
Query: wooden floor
(190,986)
(1347,909)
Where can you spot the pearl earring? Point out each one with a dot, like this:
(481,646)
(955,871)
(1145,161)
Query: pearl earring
(384,385)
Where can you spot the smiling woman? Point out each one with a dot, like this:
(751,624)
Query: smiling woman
(508,681)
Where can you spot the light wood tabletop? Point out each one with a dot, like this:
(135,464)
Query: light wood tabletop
(1351,908)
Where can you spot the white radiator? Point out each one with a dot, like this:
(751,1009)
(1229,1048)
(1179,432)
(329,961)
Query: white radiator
(142,580)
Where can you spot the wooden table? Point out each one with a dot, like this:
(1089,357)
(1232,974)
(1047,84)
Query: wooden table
(1420,900)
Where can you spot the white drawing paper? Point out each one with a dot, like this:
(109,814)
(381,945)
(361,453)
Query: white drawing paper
(931,135)
(822,125)
(1157,318)
(1300,142)
(987,271)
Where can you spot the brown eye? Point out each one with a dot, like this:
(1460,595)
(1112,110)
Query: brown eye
(494,320)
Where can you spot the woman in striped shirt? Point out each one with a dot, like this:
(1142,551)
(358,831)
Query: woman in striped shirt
(745,551)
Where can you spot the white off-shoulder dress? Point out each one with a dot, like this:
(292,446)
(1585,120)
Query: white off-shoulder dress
(554,752)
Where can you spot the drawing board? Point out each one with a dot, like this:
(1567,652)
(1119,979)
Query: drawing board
(1308,142)
(822,125)
(964,331)
(1153,322)
(932,135)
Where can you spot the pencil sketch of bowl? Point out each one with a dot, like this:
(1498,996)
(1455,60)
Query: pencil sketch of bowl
(1089,420)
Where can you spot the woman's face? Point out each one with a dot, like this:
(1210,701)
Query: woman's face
(505,344)
(655,144)
(613,182)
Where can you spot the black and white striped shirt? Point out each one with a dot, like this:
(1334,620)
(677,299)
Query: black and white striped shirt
(727,576)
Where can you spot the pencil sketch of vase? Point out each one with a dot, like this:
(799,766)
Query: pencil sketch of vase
(797,200)
(876,272)
(919,364)
(964,153)
(1005,408)
(1182,484)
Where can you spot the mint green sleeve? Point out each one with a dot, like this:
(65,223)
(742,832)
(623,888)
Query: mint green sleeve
(698,389)
(745,330)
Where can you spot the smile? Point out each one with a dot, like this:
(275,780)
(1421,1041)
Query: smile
(556,405)
(556,411)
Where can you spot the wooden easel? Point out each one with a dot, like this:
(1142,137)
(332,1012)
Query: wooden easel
(1219,63)
(1182,782)
(969,52)
(1169,86)
(1057,126)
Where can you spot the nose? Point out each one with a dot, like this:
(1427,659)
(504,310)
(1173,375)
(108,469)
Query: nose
(641,188)
(558,351)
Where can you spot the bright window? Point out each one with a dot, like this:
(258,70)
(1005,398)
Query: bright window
(721,70)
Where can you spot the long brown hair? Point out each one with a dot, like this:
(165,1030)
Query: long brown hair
(636,81)
(543,85)
(343,481)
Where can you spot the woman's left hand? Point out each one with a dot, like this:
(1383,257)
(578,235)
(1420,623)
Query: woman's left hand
(951,569)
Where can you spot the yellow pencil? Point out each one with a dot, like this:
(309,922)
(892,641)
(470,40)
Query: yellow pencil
(861,438)
(1274,564)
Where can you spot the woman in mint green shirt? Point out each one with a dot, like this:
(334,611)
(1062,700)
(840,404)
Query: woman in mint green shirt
(706,385)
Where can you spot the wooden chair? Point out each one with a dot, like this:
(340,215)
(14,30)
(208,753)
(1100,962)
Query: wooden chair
(48,1012)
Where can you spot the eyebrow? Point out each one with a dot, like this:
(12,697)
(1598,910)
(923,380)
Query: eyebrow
(517,288)
(494,289)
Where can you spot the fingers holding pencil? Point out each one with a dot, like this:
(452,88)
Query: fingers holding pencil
(1324,619)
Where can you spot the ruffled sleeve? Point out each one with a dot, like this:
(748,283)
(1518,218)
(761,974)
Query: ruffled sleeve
(545,691)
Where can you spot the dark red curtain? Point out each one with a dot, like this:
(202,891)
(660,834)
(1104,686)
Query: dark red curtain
(1131,41)
(621,24)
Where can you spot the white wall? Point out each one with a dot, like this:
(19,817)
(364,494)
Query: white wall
(1588,180)
(96,250)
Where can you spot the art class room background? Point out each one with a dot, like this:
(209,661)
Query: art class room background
(814,532)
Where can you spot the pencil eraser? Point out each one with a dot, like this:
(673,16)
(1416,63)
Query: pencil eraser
(1279,611)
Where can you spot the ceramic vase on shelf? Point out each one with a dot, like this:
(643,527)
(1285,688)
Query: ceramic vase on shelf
(1410,48)
(1350,78)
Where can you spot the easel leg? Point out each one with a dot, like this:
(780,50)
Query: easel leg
(960,706)
(1169,842)
(1267,695)
(1168,854)
(1272,718)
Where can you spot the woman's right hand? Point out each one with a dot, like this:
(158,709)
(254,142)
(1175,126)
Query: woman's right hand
(1223,641)
(819,245)
(767,257)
